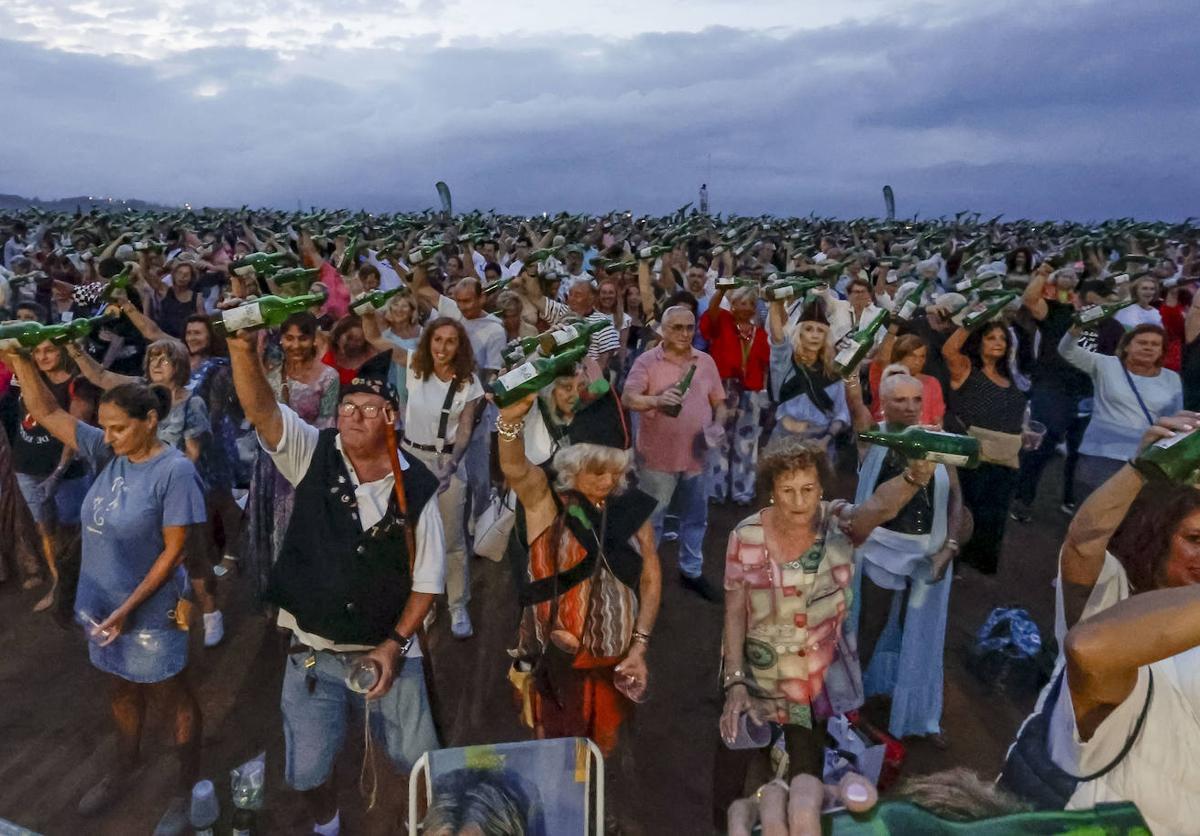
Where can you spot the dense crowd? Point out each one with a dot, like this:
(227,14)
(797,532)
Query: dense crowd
(348,409)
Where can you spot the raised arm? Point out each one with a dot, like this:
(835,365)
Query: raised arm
(1098,517)
(1033,299)
(146,326)
(777,321)
(1191,323)
(39,402)
(253,391)
(96,374)
(889,499)
(958,363)
(373,335)
(1105,652)
(1075,354)
(525,478)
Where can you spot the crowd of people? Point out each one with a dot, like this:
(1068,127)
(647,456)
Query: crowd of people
(345,409)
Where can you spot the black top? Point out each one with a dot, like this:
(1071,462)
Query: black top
(340,582)
(1050,370)
(625,513)
(916,517)
(172,314)
(981,403)
(35,452)
(1190,372)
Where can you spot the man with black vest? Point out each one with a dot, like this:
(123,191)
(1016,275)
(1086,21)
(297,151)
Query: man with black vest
(360,565)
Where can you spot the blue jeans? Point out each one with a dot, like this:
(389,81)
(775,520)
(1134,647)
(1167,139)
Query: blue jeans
(478,463)
(315,722)
(691,491)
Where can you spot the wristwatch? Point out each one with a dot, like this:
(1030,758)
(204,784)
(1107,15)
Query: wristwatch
(405,642)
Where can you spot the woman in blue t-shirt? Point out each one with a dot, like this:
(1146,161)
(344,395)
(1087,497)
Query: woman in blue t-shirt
(135,521)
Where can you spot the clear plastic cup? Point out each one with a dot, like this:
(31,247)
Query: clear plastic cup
(634,691)
(363,675)
(1032,434)
(205,809)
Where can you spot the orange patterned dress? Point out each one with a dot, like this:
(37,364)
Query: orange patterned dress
(795,608)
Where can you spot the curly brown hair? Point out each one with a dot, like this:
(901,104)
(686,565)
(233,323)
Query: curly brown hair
(464,358)
(789,455)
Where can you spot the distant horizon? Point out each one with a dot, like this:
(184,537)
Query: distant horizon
(6,205)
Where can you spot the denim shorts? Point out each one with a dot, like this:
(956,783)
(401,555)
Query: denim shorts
(314,724)
(63,506)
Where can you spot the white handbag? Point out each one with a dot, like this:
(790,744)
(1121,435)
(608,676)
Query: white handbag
(494,525)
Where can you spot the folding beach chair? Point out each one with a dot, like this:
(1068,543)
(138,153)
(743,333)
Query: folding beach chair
(555,776)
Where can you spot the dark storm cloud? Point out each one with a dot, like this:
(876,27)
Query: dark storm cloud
(1077,109)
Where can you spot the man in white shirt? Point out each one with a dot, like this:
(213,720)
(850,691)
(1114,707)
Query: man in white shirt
(354,580)
(14,247)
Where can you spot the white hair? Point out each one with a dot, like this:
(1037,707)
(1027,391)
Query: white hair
(894,375)
(570,461)
(741,294)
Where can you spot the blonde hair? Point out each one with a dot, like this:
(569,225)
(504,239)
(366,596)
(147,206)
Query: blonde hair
(570,461)
(824,354)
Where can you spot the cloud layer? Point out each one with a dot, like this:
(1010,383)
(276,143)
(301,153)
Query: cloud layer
(1070,109)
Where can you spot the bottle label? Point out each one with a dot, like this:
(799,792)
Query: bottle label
(908,309)
(416,256)
(244,270)
(521,374)
(1121,278)
(1168,443)
(1091,313)
(846,356)
(243,316)
(645,252)
(564,335)
(965,284)
(956,459)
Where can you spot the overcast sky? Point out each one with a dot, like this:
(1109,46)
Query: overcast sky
(1037,109)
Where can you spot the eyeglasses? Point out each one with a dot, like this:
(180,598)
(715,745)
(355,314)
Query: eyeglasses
(158,360)
(348,410)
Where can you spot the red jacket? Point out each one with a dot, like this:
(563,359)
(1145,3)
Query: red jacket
(735,358)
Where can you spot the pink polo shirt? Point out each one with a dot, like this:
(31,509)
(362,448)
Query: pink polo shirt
(674,445)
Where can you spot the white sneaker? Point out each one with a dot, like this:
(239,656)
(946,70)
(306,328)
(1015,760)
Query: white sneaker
(214,628)
(460,623)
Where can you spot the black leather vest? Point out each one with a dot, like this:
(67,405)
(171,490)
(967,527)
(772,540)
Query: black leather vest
(340,582)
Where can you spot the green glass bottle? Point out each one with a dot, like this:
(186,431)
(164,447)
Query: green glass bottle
(516,351)
(349,258)
(847,361)
(1093,315)
(374,299)
(538,256)
(497,285)
(424,252)
(296,275)
(532,375)
(264,312)
(569,336)
(785,289)
(1174,459)
(685,383)
(932,445)
(728,283)
(905,310)
(14,335)
(121,281)
(653,251)
(260,263)
(76,329)
(967,285)
(978,318)
(620,266)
